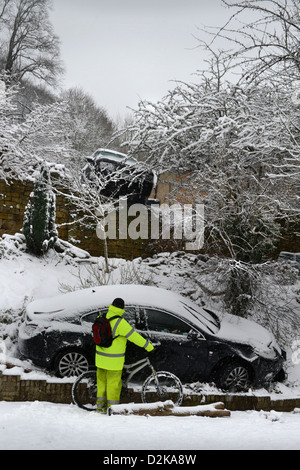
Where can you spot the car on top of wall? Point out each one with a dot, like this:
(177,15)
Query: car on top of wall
(195,343)
(115,171)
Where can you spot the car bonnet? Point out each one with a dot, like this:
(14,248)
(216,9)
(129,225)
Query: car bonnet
(240,330)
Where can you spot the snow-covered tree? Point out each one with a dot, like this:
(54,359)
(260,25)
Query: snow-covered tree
(28,46)
(239,152)
(39,226)
(26,142)
(261,39)
(86,123)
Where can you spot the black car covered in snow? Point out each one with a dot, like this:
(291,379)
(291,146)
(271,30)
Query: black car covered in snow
(195,343)
(119,176)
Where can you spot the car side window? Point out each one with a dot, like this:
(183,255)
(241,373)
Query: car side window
(157,320)
(131,315)
(91,317)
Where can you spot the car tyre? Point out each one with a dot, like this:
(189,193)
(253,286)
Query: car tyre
(234,377)
(71,363)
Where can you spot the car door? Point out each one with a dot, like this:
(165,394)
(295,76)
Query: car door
(133,352)
(182,349)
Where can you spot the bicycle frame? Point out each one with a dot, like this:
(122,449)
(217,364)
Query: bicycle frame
(137,366)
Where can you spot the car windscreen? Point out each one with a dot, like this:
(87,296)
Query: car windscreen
(206,317)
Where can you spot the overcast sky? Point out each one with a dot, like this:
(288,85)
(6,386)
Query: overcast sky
(121,51)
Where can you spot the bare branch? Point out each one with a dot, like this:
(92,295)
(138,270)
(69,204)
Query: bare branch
(263,38)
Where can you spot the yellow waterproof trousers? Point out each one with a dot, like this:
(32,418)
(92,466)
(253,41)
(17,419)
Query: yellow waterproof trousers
(109,385)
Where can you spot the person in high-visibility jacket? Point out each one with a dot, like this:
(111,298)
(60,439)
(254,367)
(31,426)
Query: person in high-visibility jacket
(110,361)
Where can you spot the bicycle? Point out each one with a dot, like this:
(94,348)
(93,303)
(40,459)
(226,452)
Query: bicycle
(161,385)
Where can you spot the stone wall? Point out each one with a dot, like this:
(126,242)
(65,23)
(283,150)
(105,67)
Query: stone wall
(175,187)
(14,197)
(15,388)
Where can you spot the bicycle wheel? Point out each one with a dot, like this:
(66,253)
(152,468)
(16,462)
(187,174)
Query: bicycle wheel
(167,387)
(84,391)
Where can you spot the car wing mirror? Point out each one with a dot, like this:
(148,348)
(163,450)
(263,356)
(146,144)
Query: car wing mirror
(193,335)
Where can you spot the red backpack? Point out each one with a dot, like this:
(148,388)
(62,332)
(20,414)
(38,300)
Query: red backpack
(102,331)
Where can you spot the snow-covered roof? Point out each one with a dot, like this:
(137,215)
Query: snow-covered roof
(230,327)
(77,302)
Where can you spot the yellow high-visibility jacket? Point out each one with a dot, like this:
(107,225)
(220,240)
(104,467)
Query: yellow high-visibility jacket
(113,358)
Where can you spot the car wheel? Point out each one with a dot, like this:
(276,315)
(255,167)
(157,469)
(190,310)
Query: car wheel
(71,363)
(234,377)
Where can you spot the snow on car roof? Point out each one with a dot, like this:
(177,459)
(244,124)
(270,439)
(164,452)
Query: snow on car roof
(114,156)
(77,302)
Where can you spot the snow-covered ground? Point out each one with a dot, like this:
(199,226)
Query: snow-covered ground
(41,425)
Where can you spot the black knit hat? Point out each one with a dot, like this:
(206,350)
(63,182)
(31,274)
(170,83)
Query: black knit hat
(119,303)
